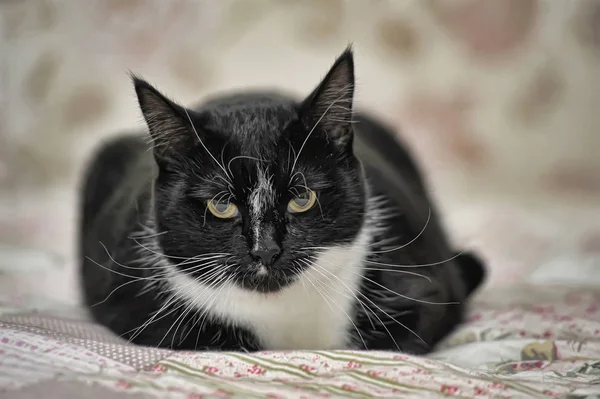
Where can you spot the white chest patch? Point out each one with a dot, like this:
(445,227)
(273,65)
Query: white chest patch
(313,313)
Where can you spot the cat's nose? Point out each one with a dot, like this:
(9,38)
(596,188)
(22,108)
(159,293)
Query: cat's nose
(266,255)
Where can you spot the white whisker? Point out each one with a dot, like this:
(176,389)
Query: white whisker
(170,256)
(411,241)
(340,98)
(174,297)
(338,306)
(140,237)
(407,297)
(363,305)
(241,157)
(398,271)
(206,148)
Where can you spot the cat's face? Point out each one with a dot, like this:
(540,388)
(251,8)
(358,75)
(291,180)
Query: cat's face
(255,186)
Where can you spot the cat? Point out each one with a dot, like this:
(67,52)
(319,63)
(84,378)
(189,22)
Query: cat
(257,222)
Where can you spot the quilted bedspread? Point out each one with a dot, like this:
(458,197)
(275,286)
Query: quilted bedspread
(528,341)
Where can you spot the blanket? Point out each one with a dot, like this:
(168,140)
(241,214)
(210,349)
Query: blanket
(526,341)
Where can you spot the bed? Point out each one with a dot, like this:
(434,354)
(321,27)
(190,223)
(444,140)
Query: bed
(525,341)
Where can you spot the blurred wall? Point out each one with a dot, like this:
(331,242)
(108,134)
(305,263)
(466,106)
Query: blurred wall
(499,99)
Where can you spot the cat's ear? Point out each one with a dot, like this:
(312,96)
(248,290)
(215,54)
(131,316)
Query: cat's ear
(167,122)
(329,106)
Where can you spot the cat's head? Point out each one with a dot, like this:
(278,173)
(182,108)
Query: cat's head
(250,184)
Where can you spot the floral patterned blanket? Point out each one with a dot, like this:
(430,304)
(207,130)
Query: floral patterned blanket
(520,343)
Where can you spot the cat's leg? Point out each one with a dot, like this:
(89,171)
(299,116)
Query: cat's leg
(214,335)
(174,328)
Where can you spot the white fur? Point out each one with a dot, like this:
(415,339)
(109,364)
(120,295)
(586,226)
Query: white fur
(260,199)
(298,317)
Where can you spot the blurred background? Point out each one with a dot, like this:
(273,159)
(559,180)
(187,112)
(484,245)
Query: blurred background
(499,100)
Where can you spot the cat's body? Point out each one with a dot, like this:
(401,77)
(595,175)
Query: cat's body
(353,271)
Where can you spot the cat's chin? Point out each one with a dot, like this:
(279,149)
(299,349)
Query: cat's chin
(270,282)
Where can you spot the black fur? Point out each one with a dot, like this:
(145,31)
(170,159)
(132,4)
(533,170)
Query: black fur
(131,192)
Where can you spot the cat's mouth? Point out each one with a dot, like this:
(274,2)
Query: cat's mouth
(266,280)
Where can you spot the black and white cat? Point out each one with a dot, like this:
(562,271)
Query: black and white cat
(261,223)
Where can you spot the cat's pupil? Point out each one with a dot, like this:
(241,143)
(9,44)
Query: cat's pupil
(222,207)
(302,199)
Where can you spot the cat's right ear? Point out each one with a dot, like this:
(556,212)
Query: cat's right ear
(168,122)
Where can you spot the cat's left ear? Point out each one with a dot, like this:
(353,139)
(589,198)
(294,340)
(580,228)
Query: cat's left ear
(329,106)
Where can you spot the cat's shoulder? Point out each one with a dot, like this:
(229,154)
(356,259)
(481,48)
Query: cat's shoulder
(385,155)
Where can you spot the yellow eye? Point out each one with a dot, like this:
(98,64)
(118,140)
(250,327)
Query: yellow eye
(302,202)
(222,210)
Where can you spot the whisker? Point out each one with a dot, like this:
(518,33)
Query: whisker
(203,318)
(317,197)
(340,98)
(379,243)
(415,266)
(296,193)
(301,174)
(365,307)
(379,308)
(203,145)
(139,237)
(312,263)
(193,306)
(407,297)
(221,195)
(241,157)
(398,271)
(206,307)
(137,331)
(394,320)
(362,305)
(395,265)
(290,147)
(134,280)
(296,270)
(198,258)
(197,307)
(158,277)
(171,256)
(338,306)
(411,241)
(173,299)
(112,259)
(223,154)
(219,277)
(116,272)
